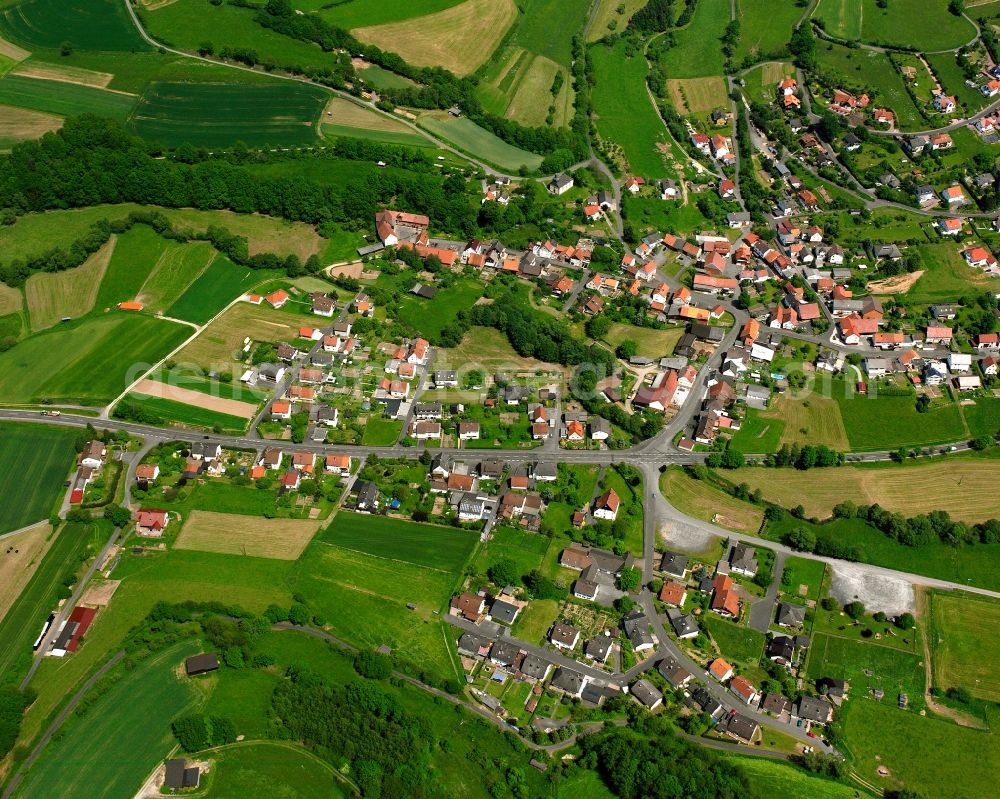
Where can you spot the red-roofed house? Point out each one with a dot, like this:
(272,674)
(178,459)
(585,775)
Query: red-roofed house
(277,298)
(151,523)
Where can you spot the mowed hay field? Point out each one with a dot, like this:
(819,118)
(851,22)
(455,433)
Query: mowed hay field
(343,118)
(174,271)
(479,142)
(91,760)
(607,18)
(34,461)
(19,557)
(519,87)
(965,640)
(919,24)
(54,295)
(765,26)
(910,489)
(703,501)
(697,95)
(255,536)
(21,124)
(217,286)
(10,299)
(224,337)
(221,114)
(815,420)
(698,51)
(89,362)
(459,38)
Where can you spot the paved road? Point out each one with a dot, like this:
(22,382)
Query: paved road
(58,721)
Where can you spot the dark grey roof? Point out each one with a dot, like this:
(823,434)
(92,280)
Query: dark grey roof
(598,647)
(791,615)
(470,643)
(646,692)
(534,666)
(568,680)
(674,563)
(673,672)
(682,624)
(706,701)
(504,611)
(504,653)
(741,726)
(813,709)
(781,646)
(776,704)
(564,632)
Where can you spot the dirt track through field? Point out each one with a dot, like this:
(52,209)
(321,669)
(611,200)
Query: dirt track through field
(899,284)
(187,396)
(81,77)
(11,50)
(254,536)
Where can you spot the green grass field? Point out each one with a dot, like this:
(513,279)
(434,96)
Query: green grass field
(178,267)
(625,114)
(217,115)
(947,276)
(802,572)
(783,781)
(952,79)
(983,418)
(430,317)
(880,423)
(381,432)
(187,415)
(547,27)
(922,24)
(963,632)
(526,549)
(401,138)
(23,621)
(867,665)
(214,289)
(652,343)
(698,51)
(741,646)
(135,254)
(88,362)
(431,546)
(759,433)
(90,757)
(243,696)
(101,25)
(34,461)
(272,768)
(765,26)
(927,754)
(479,142)
(363,599)
(64,99)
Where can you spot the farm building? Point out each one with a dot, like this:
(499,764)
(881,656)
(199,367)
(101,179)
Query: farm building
(201,664)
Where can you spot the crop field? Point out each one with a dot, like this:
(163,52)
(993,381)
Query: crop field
(223,338)
(873,71)
(431,546)
(698,95)
(89,362)
(34,461)
(90,758)
(63,99)
(21,124)
(911,488)
(251,536)
(343,115)
(101,25)
(921,24)
(698,51)
(221,114)
(478,142)
(204,386)
(28,610)
(173,273)
(519,85)
(54,295)
(364,600)
(879,423)
(703,501)
(459,38)
(930,755)
(947,276)
(765,26)
(867,665)
(777,780)
(607,19)
(964,636)
(186,414)
(247,769)
(625,114)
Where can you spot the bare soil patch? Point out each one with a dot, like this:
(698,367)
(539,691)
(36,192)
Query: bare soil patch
(100,593)
(877,591)
(187,396)
(899,284)
(254,536)
(347,270)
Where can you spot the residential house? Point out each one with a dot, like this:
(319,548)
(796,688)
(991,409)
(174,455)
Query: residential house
(647,694)
(564,635)
(721,670)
